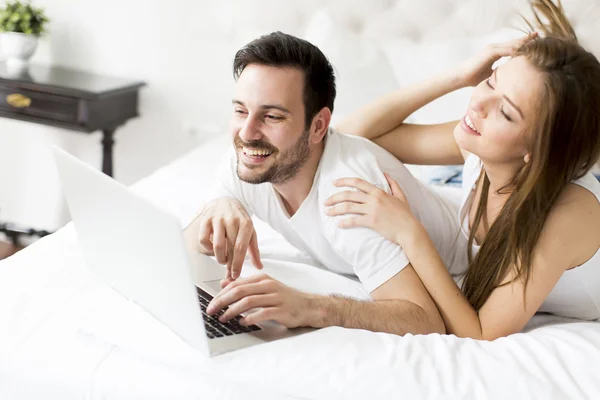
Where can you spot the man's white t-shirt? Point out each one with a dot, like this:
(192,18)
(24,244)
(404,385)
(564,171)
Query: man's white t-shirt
(359,252)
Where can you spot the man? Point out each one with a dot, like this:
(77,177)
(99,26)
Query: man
(284,161)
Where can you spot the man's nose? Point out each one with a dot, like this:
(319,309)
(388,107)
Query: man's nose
(250,130)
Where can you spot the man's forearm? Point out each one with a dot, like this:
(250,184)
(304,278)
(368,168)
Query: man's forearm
(391,316)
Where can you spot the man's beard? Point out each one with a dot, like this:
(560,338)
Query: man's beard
(285,168)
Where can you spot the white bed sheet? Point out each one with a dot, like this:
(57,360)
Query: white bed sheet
(65,335)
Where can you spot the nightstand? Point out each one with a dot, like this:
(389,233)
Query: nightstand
(69,99)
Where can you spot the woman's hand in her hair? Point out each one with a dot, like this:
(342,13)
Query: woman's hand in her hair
(479,67)
(370,207)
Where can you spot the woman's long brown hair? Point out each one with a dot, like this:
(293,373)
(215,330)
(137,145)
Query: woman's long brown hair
(565,145)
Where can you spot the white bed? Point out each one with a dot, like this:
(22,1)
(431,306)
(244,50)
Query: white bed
(65,335)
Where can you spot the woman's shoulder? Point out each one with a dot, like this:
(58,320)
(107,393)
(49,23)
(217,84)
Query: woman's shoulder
(583,193)
(573,225)
(590,183)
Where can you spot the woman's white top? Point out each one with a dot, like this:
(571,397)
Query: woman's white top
(577,293)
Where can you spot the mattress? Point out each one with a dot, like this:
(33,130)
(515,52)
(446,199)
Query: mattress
(65,335)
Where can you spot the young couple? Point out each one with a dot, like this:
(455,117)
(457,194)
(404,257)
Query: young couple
(525,239)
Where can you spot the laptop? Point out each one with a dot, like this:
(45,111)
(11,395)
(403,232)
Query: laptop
(138,250)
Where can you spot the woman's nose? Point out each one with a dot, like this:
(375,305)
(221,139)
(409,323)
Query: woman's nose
(481,105)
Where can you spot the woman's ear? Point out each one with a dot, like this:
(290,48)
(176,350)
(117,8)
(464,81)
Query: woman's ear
(320,125)
(527,158)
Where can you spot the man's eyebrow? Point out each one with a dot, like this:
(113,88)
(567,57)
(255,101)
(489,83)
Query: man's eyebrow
(276,107)
(265,106)
(506,97)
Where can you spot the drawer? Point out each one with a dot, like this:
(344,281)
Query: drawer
(38,104)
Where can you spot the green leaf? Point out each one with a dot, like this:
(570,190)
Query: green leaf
(17,16)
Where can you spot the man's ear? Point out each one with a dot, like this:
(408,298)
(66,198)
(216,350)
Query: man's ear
(320,125)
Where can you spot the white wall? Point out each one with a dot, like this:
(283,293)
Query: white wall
(171,45)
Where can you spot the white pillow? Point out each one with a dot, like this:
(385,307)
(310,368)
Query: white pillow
(417,61)
(362,70)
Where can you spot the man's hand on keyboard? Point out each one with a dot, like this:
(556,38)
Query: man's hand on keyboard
(276,301)
(227,232)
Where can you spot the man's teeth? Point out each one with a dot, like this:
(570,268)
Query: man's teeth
(470,123)
(257,152)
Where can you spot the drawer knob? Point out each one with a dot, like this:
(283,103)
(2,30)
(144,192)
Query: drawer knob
(18,100)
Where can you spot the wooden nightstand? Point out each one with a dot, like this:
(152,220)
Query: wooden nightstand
(68,99)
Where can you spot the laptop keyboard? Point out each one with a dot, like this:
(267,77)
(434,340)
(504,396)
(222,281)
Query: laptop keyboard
(214,327)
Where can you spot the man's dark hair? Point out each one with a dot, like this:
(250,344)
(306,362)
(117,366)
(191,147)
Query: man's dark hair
(278,49)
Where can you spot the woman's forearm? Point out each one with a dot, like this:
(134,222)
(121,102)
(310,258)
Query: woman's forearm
(459,316)
(389,111)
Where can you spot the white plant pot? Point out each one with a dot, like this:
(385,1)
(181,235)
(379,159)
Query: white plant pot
(18,48)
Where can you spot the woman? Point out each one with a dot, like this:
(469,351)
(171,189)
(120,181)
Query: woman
(530,208)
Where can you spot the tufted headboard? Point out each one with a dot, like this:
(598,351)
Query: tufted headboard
(422,20)
(379,45)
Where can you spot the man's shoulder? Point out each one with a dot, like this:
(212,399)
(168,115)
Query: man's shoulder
(356,157)
(358,149)
(352,141)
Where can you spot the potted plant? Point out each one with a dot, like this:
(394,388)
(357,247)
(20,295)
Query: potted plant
(21,25)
